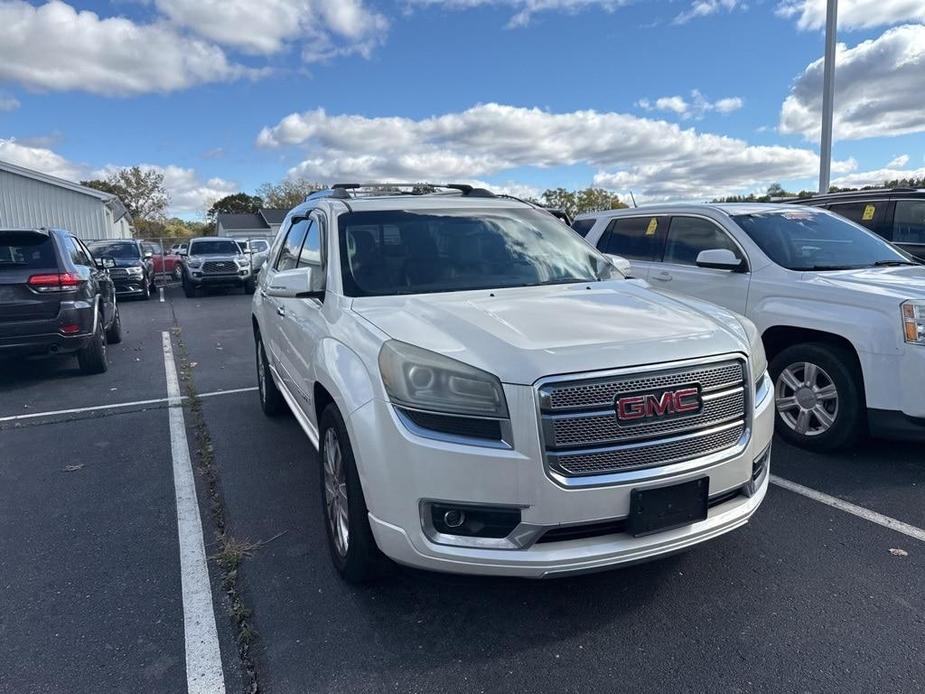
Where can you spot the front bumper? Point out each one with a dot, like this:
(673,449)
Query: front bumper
(131,287)
(400,471)
(197,277)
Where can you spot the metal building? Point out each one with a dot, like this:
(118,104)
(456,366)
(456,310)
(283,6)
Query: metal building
(31,199)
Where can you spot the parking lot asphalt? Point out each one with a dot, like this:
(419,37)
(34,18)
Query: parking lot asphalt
(806,597)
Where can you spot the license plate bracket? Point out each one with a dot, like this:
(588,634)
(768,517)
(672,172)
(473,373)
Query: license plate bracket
(658,509)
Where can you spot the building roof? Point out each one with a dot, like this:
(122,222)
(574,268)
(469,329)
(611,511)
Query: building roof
(111,201)
(273,215)
(242,220)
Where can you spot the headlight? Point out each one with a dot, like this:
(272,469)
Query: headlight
(756,349)
(194,262)
(242,262)
(136,271)
(914,322)
(419,378)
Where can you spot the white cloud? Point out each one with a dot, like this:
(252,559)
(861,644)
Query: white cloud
(899,162)
(40,159)
(877,177)
(323,28)
(878,89)
(8,103)
(697,107)
(55,47)
(524,10)
(853,14)
(657,158)
(704,8)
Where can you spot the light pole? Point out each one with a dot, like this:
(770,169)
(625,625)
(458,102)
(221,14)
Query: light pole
(828,96)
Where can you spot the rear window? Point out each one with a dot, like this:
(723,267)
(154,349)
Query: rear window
(583,226)
(216,247)
(26,250)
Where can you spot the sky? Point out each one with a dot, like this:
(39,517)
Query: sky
(669,99)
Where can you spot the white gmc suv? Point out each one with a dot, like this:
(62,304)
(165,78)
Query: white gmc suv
(842,312)
(490,395)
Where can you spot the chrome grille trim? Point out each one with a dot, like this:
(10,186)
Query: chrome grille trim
(637,456)
(583,441)
(220,266)
(600,392)
(600,427)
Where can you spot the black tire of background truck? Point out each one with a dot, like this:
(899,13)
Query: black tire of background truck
(92,356)
(188,289)
(363,561)
(250,286)
(841,365)
(114,332)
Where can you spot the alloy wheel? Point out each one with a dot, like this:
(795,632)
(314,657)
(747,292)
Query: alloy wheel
(335,492)
(806,398)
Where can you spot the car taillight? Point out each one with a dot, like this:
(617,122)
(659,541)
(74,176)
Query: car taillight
(57,282)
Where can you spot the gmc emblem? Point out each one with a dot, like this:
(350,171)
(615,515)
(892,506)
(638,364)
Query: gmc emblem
(639,408)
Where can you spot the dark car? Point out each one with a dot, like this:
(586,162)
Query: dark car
(896,214)
(55,298)
(132,269)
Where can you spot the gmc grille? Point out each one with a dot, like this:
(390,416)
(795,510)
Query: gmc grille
(581,435)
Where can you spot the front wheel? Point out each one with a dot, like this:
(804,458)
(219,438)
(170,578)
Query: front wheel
(250,286)
(346,518)
(271,400)
(819,396)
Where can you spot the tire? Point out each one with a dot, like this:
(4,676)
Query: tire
(271,400)
(819,396)
(350,539)
(114,333)
(188,289)
(250,286)
(147,294)
(92,356)
(178,273)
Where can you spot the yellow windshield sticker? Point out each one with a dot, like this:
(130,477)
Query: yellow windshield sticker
(869,212)
(653,227)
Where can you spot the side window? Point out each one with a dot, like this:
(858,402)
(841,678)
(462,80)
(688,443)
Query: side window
(310,255)
(78,255)
(688,236)
(583,226)
(863,213)
(292,245)
(635,238)
(909,222)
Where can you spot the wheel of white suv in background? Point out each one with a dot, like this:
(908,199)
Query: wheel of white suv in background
(346,520)
(271,400)
(114,332)
(92,356)
(819,396)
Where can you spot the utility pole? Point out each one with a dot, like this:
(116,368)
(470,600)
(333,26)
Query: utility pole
(828,96)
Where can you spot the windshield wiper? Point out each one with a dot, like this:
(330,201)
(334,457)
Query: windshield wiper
(893,263)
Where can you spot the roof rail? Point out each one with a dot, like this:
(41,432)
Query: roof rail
(345,191)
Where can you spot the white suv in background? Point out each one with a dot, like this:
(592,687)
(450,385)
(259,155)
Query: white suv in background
(490,395)
(841,311)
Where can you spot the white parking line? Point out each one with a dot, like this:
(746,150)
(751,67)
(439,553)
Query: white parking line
(161,292)
(203,657)
(117,405)
(853,509)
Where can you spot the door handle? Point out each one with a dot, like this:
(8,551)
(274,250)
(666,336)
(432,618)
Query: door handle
(662,276)
(280,310)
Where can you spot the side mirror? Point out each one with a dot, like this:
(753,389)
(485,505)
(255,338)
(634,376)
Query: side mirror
(299,283)
(105,263)
(720,259)
(148,255)
(621,263)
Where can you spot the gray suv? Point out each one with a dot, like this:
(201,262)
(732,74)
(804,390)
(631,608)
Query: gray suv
(215,262)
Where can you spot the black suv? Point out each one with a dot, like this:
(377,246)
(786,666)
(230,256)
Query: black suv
(132,267)
(896,214)
(55,298)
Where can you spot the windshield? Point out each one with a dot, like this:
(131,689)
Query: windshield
(115,250)
(806,239)
(216,247)
(413,252)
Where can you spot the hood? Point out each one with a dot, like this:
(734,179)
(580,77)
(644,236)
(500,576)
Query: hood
(128,262)
(901,282)
(526,333)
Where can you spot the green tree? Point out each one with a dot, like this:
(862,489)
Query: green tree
(561,199)
(597,200)
(239,203)
(107,187)
(142,192)
(287,193)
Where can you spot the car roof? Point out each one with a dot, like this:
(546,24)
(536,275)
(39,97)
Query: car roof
(849,195)
(427,201)
(685,208)
(209,238)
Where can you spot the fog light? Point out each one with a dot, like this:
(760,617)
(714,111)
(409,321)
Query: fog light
(454,518)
